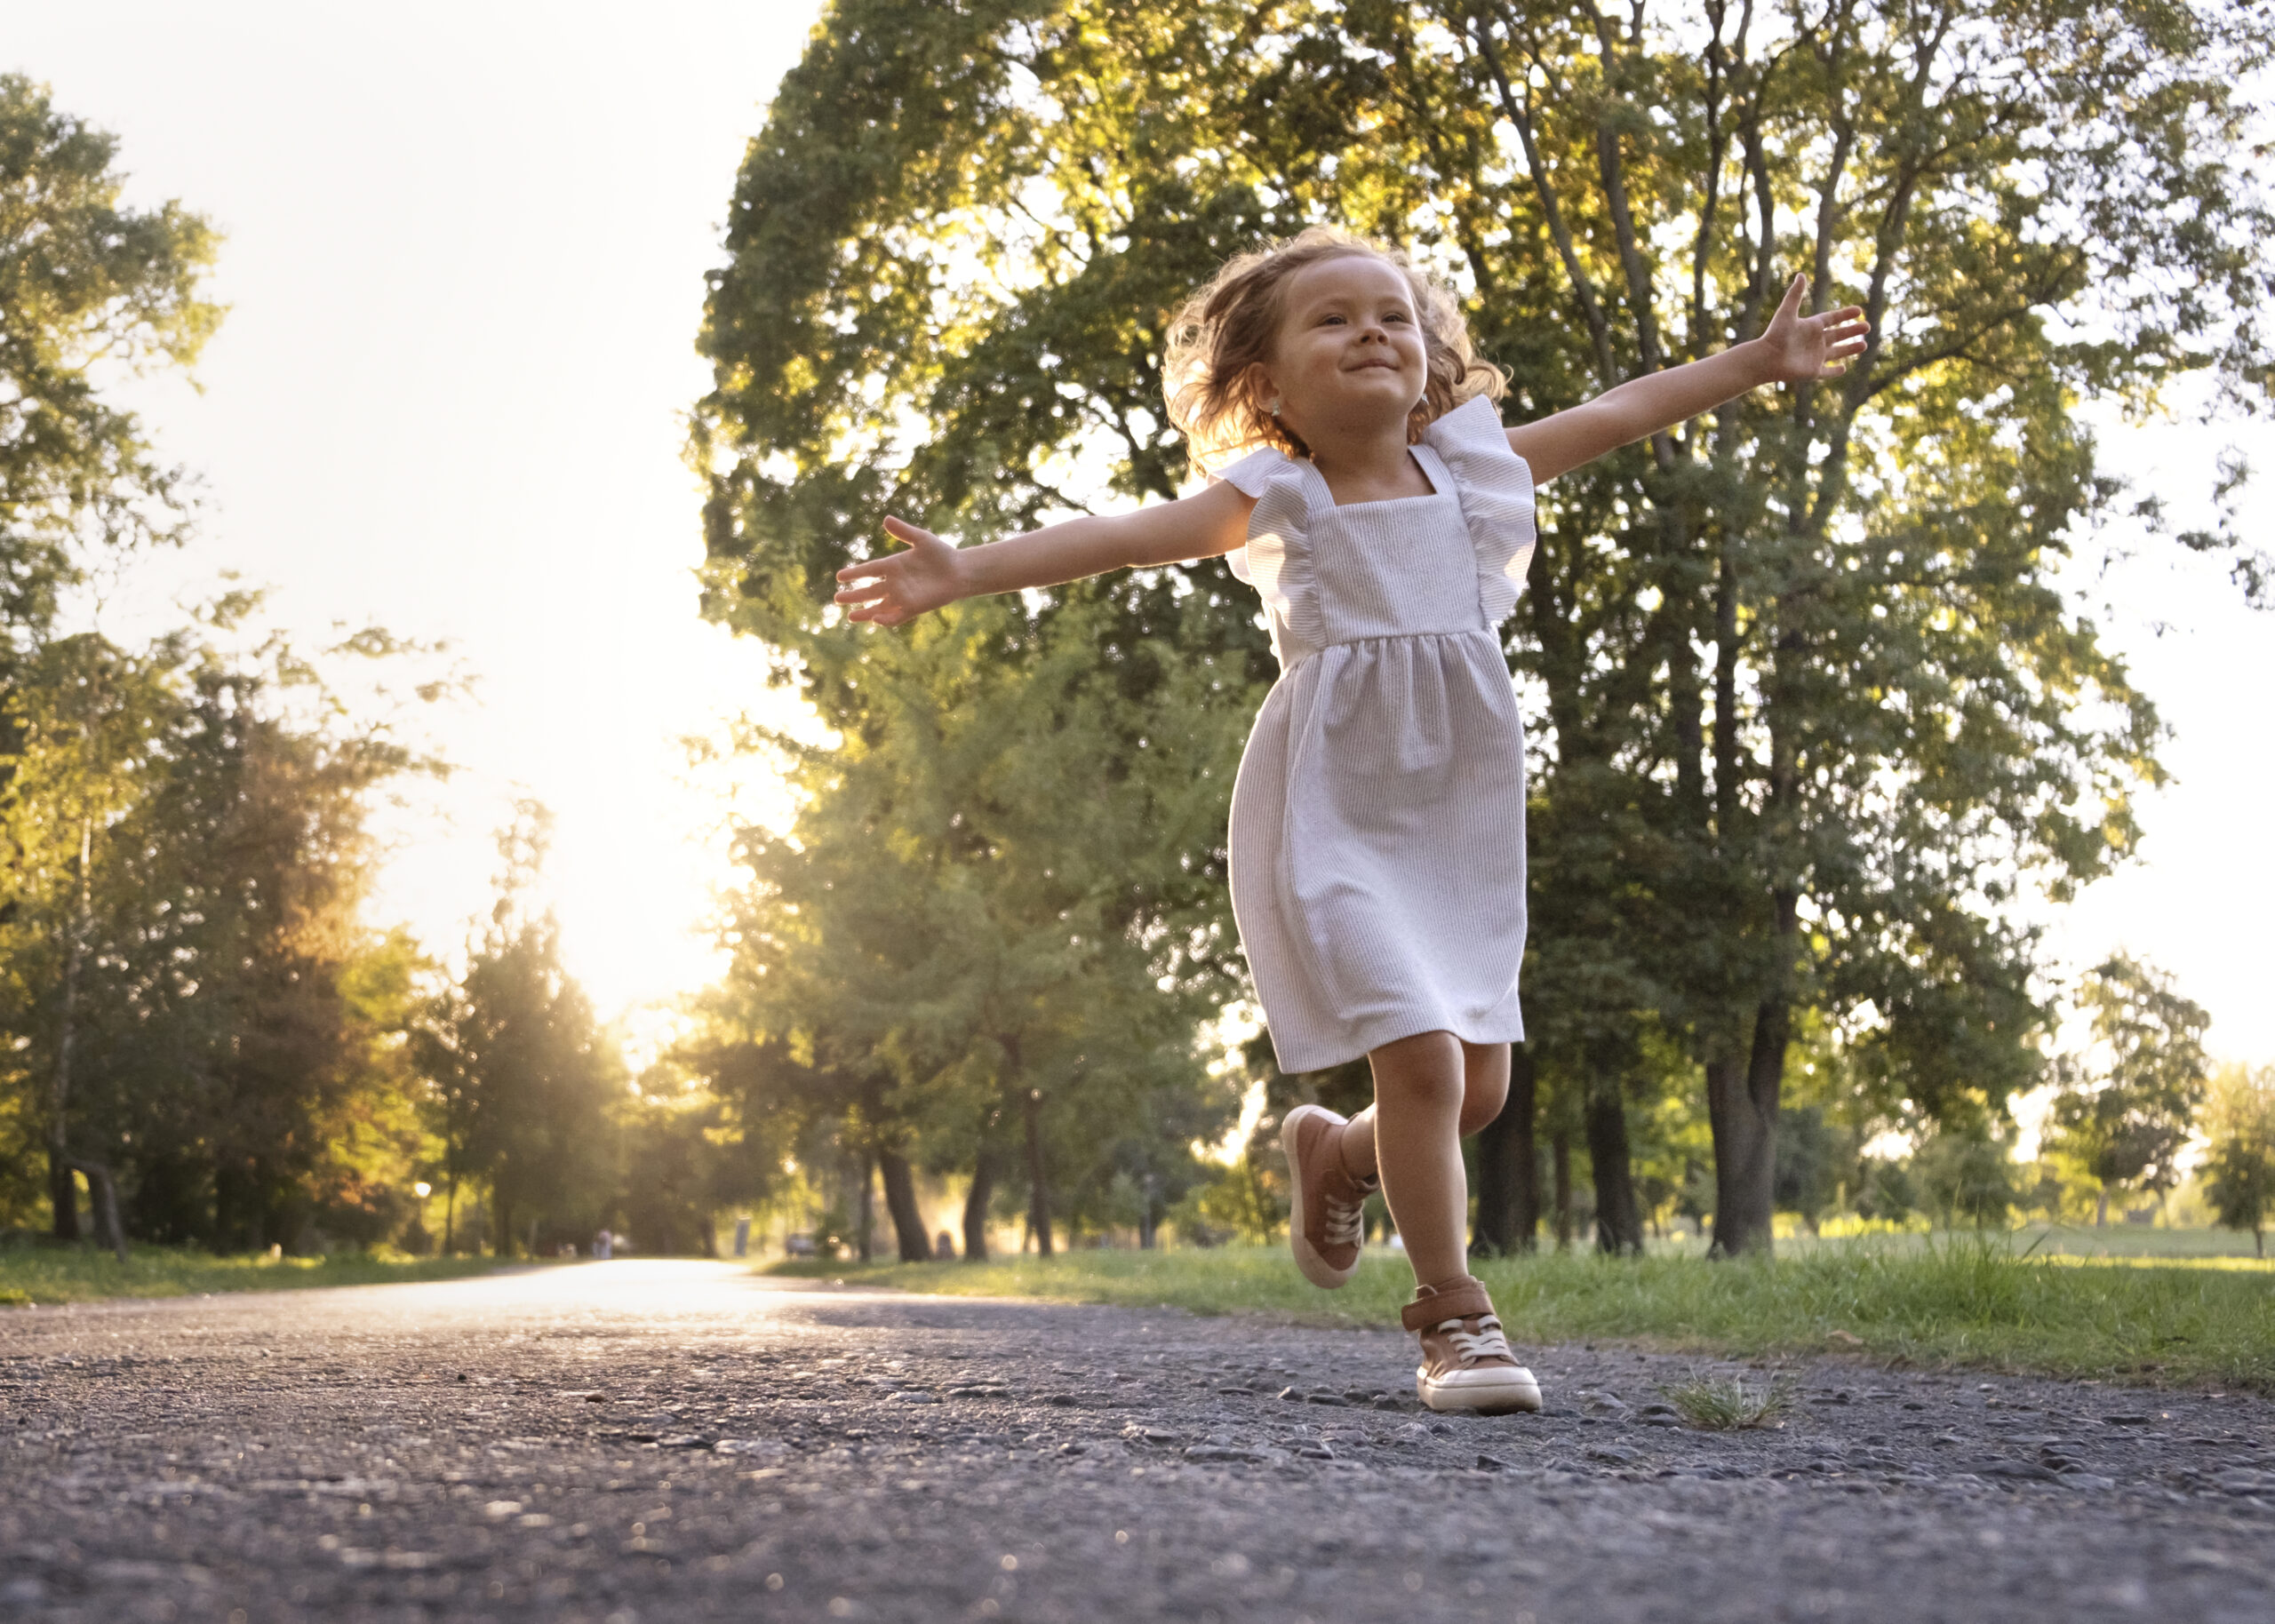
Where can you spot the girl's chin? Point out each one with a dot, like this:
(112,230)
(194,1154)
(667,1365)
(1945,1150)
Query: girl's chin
(1388,393)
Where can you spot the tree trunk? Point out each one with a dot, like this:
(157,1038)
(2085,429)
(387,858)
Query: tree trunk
(451,1215)
(1508,1187)
(1619,1227)
(1038,1190)
(104,1190)
(1560,1170)
(1742,1105)
(2101,1207)
(62,1193)
(864,1210)
(976,1203)
(900,1205)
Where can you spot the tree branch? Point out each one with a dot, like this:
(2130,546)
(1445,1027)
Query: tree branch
(1560,231)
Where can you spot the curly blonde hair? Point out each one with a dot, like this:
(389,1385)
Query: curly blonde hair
(1228,330)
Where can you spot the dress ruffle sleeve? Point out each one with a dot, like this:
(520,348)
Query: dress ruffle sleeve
(1276,559)
(1496,490)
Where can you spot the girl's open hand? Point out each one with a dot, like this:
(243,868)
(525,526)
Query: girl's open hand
(1801,347)
(901,586)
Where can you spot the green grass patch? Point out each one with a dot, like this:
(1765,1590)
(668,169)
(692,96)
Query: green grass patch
(1952,1302)
(1727,1403)
(46,1274)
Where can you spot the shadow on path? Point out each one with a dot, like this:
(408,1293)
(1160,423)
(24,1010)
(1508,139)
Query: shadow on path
(664,1442)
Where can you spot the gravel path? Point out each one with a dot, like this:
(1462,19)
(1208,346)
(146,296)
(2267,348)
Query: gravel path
(662,1443)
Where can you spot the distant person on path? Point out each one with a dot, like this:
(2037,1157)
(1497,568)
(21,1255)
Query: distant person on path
(603,1245)
(1363,482)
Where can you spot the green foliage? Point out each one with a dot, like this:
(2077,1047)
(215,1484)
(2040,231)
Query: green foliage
(2239,1157)
(1814,1162)
(194,999)
(682,1161)
(89,290)
(2126,1103)
(1967,1178)
(1243,1199)
(980,940)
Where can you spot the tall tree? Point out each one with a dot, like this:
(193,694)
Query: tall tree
(89,722)
(523,1076)
(1812,703)
(2239,1149)
(190,986)
(2128,1102)
(961,949)
(90,289)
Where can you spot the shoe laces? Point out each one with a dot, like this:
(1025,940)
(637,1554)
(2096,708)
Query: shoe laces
(1345,1221)
(1485,1342)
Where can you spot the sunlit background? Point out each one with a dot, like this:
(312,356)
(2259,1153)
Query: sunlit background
(464,256)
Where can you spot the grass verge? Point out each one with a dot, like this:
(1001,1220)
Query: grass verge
(1962,1301)
(40,1274)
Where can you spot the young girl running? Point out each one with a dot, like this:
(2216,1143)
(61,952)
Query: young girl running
(1385,515)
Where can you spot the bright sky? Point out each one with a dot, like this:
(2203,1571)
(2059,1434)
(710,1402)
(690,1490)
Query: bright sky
(464,261)
(465,256)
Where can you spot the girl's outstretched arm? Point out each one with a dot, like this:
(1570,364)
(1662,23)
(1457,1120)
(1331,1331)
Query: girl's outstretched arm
(1792,349)
(931,572)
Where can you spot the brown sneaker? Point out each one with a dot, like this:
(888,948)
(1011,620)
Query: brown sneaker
(1326,1227)
(1466,1364)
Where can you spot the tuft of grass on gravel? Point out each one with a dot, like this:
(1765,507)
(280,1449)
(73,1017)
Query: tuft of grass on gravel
(37,1274)
(1726,1404)
(1962,1301)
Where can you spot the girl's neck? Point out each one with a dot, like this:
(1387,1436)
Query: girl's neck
(1373,467)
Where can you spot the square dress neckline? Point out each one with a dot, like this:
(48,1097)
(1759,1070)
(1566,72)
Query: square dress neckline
(1440,489)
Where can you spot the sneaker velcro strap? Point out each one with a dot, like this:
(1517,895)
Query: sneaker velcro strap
(1457,1299)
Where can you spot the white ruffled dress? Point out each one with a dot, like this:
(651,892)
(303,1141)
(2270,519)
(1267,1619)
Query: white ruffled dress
(1379,821)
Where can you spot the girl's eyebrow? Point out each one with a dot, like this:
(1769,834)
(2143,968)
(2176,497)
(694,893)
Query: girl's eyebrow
(1320,304)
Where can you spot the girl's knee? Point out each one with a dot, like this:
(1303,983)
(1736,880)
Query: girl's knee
(1485,1079)
(1423,1070)
(1480,1101)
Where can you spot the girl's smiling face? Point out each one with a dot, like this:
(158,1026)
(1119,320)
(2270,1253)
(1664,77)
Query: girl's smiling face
(1350,357)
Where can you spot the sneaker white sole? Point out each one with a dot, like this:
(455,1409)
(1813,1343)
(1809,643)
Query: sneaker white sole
(1497,1390)
(1316,1269)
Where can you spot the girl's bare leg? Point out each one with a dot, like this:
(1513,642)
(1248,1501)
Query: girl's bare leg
(1430,1089)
